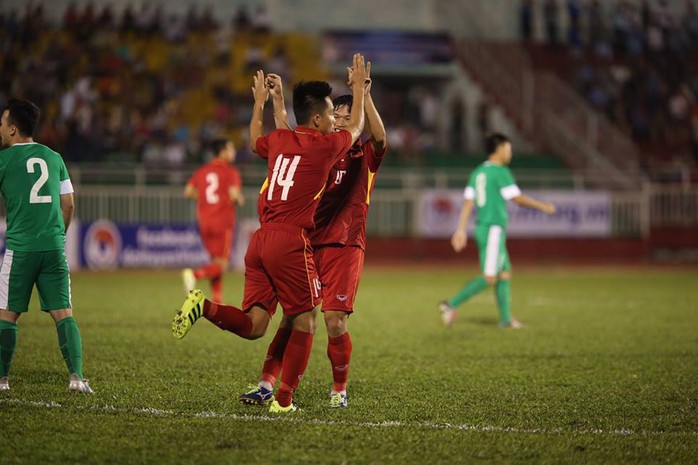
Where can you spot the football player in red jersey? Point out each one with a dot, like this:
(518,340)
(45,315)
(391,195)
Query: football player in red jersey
(338,241)
(216,187)
(279,266)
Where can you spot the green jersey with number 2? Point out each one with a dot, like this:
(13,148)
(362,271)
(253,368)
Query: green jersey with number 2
(32,179)
(490,186)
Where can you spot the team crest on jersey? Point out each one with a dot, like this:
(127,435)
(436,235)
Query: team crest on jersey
(342,297)
(102,246)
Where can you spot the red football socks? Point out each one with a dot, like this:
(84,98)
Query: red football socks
(339,353)
(275,355)
(294,364)
(228,318)
(212,270)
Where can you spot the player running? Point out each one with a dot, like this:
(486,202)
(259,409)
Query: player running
(490,186)
(279,265)
(216,187)
(339,242)
(38,195)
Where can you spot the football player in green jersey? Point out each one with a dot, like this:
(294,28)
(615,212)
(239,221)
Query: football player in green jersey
(490,186)
(38,195)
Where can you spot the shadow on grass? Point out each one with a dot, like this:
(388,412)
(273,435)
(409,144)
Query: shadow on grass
(483,320)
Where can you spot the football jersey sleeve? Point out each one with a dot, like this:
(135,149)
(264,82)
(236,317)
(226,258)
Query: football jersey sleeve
(341,142)
(508,187)
(66,184)
(469,193)
(262,146)
(375,158)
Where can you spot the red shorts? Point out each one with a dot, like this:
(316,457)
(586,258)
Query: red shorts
(279,267)
(340,270)
(217,240)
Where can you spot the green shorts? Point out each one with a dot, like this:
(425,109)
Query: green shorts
(492,244)
(47,269)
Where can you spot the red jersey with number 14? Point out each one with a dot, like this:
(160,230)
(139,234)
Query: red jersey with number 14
(212,183)
(341,216)
(298,165)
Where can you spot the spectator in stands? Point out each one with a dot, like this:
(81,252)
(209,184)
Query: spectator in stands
(70,18)
(551,18)
(574,33)
(596,23)
(260,19)
(105,21)
(690,25)
(208,20)
(241,19)
(191,19)
(128,19)
(526,19)
(694,133)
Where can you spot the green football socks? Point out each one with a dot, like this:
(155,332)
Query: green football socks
(71,344)
(503,293)
(472,288)
(8,343)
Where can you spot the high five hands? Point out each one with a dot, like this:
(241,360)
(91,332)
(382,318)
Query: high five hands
(359,72)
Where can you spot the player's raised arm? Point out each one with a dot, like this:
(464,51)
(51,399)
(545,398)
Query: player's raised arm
(525,201)
(276,91)
(374,123)
(357,81)
(260,93)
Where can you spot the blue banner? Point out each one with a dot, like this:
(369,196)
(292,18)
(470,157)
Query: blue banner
(579,214)
(106,246)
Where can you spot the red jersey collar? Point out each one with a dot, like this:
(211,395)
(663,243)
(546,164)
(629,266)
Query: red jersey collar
(306,130)
(219,161)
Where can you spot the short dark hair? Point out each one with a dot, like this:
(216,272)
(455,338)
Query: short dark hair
(493,141)
(309,98)
(343,100)
(23,114)
(218,144)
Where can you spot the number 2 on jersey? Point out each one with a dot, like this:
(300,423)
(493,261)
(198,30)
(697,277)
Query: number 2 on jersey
(212,184)
(34,196)
(283,175)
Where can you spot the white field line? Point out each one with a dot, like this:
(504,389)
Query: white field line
(298,419)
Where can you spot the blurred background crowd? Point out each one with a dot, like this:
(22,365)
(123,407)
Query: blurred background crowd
(148,84)
(634,62)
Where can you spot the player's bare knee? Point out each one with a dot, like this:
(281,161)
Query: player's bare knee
(9,315)
(305,322)
(260,322)
(336,323)
(505,275)
(58,315)
(491,280)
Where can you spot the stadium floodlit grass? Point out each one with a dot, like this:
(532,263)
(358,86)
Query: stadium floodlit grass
(606,371)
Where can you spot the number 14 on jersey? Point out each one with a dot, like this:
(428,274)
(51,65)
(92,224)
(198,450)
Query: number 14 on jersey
(284,170)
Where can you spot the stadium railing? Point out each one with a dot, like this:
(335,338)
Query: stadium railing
(139,176)
(394,212)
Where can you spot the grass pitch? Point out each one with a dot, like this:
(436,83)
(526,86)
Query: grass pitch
(606,371)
